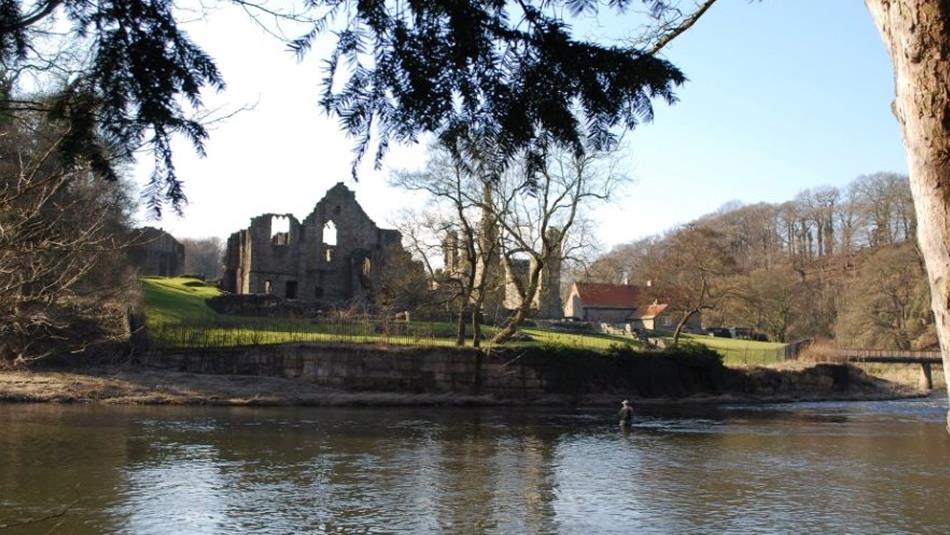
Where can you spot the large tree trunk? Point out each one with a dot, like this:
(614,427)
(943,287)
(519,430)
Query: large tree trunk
(917,36)
(460,324)
(524,308)
(476,326)
(511,327)
(682,325)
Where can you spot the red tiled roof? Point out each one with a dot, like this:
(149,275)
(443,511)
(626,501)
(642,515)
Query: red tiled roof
(597,294)
(649,311)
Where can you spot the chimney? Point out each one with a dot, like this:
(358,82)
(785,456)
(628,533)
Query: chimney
(626,278)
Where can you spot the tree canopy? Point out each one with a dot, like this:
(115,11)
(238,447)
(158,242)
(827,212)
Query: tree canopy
(480,69)
(509,74)
(130,90)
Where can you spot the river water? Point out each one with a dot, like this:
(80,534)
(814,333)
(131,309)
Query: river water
(876,467)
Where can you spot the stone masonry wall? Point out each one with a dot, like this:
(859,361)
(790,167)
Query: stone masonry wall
(364,367)
(305,262)
(514,373)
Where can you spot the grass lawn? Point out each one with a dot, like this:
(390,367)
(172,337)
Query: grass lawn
(587,341)
(177,316)
(177,300)
(739,352)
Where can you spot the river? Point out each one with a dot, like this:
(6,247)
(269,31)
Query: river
(876,467)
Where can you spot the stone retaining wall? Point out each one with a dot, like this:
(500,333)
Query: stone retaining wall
(525,373)
(365,367)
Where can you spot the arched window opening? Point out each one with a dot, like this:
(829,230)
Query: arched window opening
(329,234)
(280,230)
(366,267)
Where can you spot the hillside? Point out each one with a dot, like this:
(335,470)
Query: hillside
(836,263)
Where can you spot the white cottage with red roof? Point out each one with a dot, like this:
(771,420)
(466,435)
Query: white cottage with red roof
(621,303)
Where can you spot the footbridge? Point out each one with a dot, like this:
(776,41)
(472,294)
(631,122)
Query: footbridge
(926,359)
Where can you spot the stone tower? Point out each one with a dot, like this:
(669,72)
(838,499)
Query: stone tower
(548,299)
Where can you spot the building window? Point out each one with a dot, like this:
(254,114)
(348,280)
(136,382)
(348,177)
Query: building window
(290,290)
(280,230)
(329,233)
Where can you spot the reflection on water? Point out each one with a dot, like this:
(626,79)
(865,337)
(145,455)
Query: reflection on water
(822,467)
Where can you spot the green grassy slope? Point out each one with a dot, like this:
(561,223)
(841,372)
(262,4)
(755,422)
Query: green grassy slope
(177,300)
(176,315)
(736,351)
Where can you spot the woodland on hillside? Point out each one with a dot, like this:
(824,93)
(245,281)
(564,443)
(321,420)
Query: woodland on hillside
(833,262)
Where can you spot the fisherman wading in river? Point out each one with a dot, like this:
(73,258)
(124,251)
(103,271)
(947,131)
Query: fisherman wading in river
(626,413)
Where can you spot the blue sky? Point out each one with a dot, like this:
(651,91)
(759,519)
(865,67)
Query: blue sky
(782,95)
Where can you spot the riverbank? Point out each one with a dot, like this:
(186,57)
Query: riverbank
(141,386)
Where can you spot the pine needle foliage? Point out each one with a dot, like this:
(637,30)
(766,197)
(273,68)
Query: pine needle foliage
(487,70)
(142,69)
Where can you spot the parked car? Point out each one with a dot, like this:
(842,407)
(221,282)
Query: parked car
(744,333)
(721,332)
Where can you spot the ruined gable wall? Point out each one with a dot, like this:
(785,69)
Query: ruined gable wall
(302,258)
(340,278)
(270,262)
(157,252)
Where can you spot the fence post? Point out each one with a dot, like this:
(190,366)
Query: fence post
(926,376)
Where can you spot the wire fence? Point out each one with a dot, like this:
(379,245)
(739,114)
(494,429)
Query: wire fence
(231,332)
(273,331)
(752,356)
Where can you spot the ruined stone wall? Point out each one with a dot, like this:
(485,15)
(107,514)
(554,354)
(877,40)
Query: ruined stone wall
(501,291)
(547,301)
(344,271)
(331,257)
(157,252)
(274,256)
(237,262)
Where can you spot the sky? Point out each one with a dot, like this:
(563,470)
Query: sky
(781,96)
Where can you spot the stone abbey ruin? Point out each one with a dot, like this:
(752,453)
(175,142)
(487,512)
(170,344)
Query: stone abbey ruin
(156,252)
(328,259)
(501,293)
(334,256)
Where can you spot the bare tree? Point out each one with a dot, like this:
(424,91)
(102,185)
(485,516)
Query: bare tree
(692,272)
(771,300)
(204,257)
(62,241)
(849,219)
(538,213)
(885,306)
(461,190)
